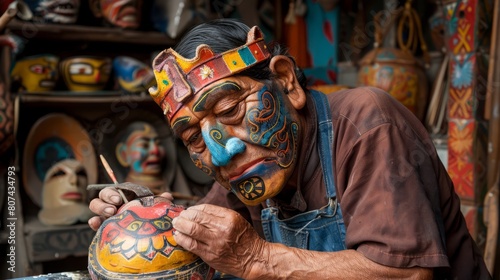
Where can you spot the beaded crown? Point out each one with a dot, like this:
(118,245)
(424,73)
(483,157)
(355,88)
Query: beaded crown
(178,79)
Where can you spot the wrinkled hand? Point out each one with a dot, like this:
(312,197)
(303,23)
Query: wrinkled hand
(221,237)
(107,204)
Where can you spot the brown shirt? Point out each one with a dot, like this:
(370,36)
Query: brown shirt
(398,202)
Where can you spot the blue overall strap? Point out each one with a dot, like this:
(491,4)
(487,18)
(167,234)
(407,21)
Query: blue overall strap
(325,140)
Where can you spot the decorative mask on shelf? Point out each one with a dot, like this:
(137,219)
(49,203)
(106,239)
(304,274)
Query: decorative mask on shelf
(57,145)
(64,194)
(86,73)
(140,150)
(132,75)
(35,73)
(138,243)
(55,11)
(120,13)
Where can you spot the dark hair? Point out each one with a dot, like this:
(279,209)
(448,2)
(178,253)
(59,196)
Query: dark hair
(225,34)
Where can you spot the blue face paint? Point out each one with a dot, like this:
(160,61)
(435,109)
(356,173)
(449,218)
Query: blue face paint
(270,126)
(221,152)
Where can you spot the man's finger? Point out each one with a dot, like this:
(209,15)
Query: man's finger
(110,195)
(101,208)
(214,210)
(95,222)
(167,195)
(189,243)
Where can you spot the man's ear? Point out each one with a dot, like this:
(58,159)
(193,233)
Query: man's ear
(284,69)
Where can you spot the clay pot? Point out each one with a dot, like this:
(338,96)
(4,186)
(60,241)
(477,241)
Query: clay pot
(398,73)
(138,243)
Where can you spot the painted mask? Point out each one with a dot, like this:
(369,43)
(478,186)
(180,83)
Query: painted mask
(35,73)
(132,75)
(86,73)
(141,151)
(239,131)
(138,243)
(64,195)
(120,13)
(55,11)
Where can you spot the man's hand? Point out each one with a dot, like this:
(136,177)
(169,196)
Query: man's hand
(107,204)
(221,237)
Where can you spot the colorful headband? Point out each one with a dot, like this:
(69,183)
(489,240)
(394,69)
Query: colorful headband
(178,79)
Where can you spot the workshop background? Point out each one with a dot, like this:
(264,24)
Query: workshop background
(439,58)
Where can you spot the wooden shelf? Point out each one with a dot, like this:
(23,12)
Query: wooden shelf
(28,30)
(83,97)
(47,243)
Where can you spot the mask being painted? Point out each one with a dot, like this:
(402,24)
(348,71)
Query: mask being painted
(64,194)
(55,11)
(238,130)
(141,151)
(120,13)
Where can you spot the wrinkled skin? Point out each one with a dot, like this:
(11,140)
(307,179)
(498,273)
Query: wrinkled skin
(223,238)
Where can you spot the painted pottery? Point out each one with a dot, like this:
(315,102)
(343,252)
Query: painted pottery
(138,243)
(399,74)
(118,13)
(396,70)
(132,75)
(35,73)
(53,138)
(55,11)
(86,73)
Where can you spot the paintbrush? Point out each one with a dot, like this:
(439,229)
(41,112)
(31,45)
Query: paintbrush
(111,174)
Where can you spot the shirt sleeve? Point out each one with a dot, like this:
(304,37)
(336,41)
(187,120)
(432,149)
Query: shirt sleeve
(390,192)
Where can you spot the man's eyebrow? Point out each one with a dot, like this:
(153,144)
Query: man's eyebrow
(179,125)
(208,98)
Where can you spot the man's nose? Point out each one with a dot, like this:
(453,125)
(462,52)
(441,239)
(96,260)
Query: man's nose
(222,147)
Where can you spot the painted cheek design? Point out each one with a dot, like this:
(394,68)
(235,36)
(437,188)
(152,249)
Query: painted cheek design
(139,155)
(202,165)
(271,126)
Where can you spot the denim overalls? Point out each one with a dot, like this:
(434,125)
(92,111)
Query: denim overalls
(322,229)
(318,230)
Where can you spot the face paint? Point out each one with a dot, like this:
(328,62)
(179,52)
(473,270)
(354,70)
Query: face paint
(144,152)
(247,142)
(270,126)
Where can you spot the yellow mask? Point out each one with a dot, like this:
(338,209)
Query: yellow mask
(35,73)
(86,73)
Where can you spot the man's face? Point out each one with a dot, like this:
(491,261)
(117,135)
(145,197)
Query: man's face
(144,152)
(242,133)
